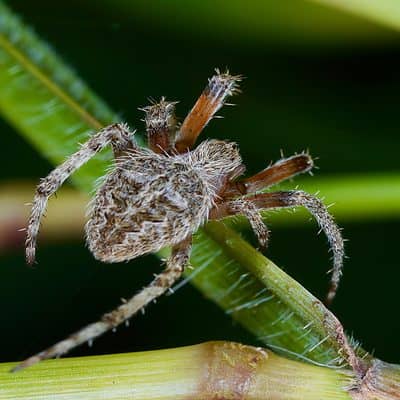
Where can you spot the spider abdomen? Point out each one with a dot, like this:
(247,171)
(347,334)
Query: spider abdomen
(144,204)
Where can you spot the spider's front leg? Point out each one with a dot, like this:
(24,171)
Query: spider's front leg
(176,264)
(219,87)
(295,198)
(118,135)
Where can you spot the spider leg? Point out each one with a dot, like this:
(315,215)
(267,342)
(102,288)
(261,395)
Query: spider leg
(252,213)
(160,125)
(118,135)
(283,169)
(296,198)
(175,266)
(219,87)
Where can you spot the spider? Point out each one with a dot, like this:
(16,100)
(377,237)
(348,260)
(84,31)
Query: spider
(159,196)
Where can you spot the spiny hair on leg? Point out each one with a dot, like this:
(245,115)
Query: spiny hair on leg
(283,169)
(252,213)
(223,84)
(331,230)
(161,124)
(213,97)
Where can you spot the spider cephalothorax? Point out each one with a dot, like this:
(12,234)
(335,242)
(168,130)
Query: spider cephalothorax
(160,196)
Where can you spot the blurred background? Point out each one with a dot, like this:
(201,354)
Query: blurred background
(317,77)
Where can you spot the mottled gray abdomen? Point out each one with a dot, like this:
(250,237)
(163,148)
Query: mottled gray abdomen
(144,204)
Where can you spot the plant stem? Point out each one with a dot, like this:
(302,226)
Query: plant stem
(210,370)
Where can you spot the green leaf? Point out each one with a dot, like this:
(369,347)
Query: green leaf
(45,100)
(273,21)
(385,12)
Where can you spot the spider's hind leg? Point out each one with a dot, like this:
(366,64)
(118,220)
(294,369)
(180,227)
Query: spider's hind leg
(175,266)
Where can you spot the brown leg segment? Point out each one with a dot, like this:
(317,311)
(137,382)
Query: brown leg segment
(160,125)
(283,169)
(219,87)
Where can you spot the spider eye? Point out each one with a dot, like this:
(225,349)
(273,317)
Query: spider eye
(235,146)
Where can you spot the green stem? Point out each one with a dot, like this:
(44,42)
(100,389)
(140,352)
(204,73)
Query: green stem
(206,371)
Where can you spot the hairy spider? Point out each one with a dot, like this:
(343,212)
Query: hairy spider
(159,196)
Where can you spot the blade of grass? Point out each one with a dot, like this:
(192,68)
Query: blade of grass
(44,99)
(384,12)
(273,21)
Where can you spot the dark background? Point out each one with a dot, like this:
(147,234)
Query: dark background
(316,79)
